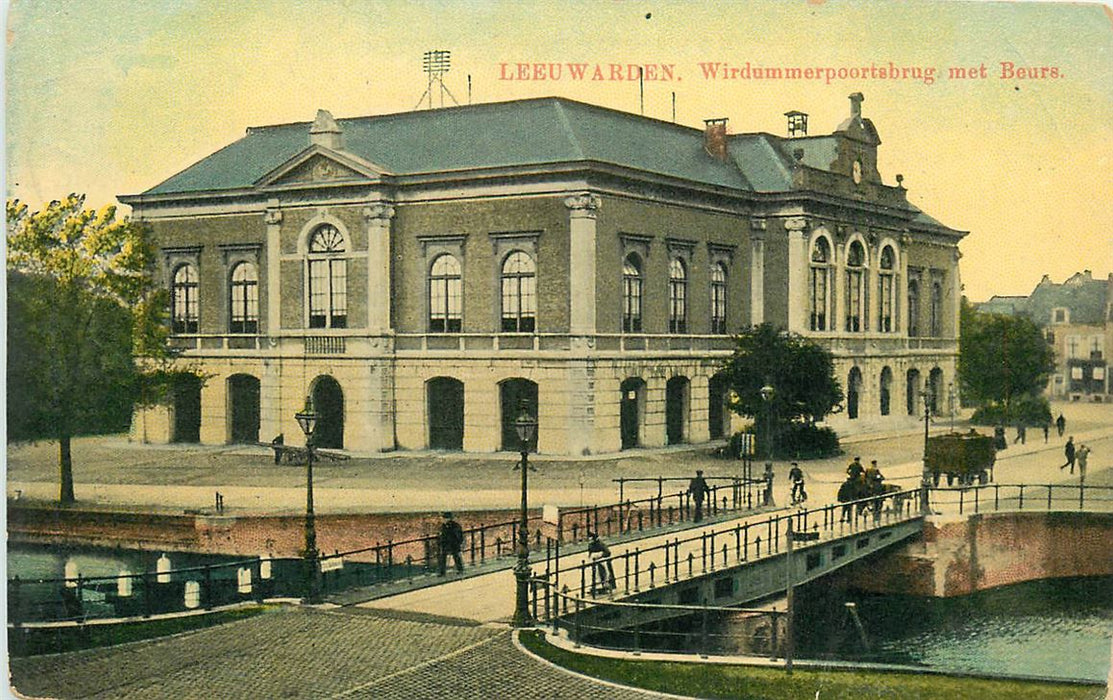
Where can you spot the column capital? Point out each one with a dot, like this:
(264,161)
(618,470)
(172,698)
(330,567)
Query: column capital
(796,224)
(583,204)
(378,211)
(273,217)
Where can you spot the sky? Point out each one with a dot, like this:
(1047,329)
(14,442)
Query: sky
(111,97)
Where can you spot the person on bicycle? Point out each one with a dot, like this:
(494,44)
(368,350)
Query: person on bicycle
(796,476)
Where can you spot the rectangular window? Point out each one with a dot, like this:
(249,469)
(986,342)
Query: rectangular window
(1076,373)
(853,300)
(819,299)
(885,304)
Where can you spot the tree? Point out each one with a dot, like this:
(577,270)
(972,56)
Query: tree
(1001,358)
(82,301)
(801,373)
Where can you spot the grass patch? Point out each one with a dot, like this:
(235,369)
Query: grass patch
(755,683)
(24,641)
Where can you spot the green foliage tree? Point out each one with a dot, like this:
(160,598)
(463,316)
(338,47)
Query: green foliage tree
(1002,359)
(82,303)
(801,373)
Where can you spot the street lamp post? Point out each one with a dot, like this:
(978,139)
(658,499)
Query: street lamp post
(925,482)
(526,426)
(767,392)
(307,420)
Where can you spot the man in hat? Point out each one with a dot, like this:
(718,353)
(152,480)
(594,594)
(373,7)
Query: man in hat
(450,539)
(698,489)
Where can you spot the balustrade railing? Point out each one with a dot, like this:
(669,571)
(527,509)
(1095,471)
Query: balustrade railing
(637,568)
(1023,497)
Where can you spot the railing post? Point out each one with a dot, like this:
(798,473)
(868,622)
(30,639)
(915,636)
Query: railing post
(961,500)
(257,574)
(1049,487)
(1020,505)
(1081,491)
(637,568)
(147,600)
(209,587)
(996,497)
(626,571)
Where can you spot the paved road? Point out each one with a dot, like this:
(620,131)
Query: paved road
(308,653)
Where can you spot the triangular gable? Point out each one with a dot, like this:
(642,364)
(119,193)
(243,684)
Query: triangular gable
(318,165)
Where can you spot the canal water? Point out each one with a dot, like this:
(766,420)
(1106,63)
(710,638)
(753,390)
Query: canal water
(1060,628)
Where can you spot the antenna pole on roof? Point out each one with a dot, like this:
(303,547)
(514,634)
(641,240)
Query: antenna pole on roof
(674,107)
(469,88)
(436,63)
(641,92)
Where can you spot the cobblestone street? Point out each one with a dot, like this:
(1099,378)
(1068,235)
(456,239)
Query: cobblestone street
(308,653)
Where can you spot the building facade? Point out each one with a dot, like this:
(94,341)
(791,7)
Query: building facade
(1077,320)
(424,275)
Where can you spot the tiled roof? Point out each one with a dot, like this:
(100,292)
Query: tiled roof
(533,132)
(1084,297)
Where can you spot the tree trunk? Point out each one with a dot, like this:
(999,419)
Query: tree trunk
(65,470)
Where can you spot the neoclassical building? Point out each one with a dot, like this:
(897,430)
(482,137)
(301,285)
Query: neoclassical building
(420,274)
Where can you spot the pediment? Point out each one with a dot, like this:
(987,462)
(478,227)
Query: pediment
(318,166)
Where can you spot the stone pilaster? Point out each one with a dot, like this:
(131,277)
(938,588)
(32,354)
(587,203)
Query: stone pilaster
(757,271)
(378,216)
(273,219)
(796,227)
(582,211)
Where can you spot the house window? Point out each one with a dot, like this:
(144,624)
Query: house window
(244,314)
(445,300)
(718,298)
(519,293)
(885,281)
(631,294)
(678,296)
(1072,346)
(855,273)
(183,293)
(328,279)
(936,309)
(819,284)
(913,307)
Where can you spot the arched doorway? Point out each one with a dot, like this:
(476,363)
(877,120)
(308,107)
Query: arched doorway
(515,395)
(243,408)
(328,402)
(912,391)
(935,389)
(445,401)
(186,397)
(632,411)
(853,392)
(676,410)
(718,406)
(886,389)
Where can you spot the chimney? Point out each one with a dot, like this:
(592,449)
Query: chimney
(326,132)
(715,138)
(797,123)
(856,100)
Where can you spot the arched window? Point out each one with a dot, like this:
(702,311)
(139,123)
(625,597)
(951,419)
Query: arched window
(885,281)
(328,279)
(631,294)
(243,316)
(445,299)
(819,284)
(855,288)
(519,293)
(913,307)
(718,298)
(936,309)
(183,292)
(678,297)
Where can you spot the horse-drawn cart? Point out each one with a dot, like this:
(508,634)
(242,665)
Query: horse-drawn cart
(962,457)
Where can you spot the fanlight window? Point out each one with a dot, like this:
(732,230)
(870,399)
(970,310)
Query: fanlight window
(328,279)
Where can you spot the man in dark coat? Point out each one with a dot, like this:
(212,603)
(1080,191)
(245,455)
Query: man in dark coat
(698,489)
(1060,424)
(1068,452)
(450,539)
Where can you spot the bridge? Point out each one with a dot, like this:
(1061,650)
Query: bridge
(745,570)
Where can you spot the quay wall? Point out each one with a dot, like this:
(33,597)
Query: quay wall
(281,535)
(957,557)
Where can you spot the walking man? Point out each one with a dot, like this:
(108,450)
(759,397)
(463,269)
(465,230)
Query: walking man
(1060,424)
(451,539)
(698,489)
(768,476)
(1068,452)
(1083,455)
(1021,434)
(1046,430)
